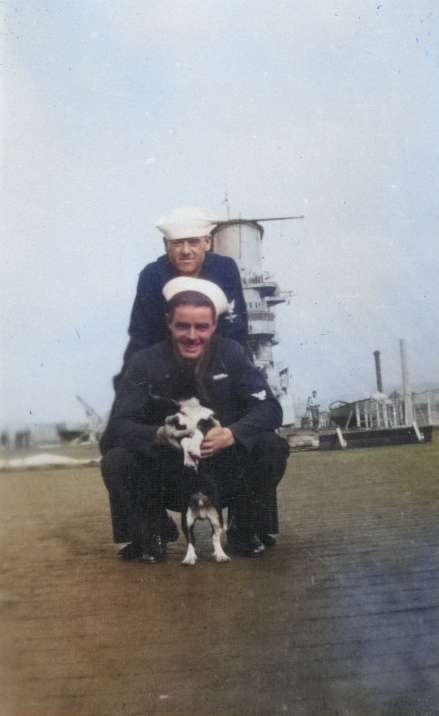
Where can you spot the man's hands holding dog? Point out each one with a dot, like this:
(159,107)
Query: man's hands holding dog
(216,439)
(175,429)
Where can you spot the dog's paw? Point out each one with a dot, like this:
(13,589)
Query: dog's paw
(189,561)
(191,460)
(221,557)
(191,556)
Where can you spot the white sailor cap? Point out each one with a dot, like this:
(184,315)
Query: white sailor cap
(186,222)
(200,285)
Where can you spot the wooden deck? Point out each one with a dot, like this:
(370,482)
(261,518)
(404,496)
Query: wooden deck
(340,618)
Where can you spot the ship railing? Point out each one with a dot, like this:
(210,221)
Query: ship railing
(260,316)
(259,278)
(426,407)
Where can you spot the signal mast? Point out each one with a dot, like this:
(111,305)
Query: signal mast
(241,239)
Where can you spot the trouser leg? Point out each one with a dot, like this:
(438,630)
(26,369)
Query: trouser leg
(248,482)
(237,491)
(136,491)
(120,472)
(260,473)
(266,466)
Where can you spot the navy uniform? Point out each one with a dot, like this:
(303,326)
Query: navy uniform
(134,465)
(148,324)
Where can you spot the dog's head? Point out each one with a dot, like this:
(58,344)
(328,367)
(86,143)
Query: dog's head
(195,416)
(198,420)
(192,416)
(200,501)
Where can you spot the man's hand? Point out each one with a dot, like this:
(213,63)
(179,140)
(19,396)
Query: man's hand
(170,434)
(216,439)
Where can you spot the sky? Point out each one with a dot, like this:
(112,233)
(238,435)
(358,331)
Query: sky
(114,112)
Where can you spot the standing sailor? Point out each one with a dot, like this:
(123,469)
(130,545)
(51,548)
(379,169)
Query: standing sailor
(187,238)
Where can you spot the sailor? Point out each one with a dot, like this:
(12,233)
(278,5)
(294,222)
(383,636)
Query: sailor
(314,407)
(187,236)
(141,464)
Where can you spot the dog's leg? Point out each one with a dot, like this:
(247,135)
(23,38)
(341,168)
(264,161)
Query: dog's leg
(192,449)
(188,528)
(217,531)
(184,525)
(185,446)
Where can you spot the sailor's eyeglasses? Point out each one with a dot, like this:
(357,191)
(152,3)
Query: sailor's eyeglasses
(179,243)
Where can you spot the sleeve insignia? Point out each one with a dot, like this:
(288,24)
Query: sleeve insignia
(262,395)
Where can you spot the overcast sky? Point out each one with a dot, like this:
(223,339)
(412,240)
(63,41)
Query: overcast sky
(116,111)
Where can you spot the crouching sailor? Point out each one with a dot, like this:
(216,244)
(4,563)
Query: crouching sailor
(142,463)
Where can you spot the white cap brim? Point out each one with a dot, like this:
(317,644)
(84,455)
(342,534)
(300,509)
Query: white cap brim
(200,285)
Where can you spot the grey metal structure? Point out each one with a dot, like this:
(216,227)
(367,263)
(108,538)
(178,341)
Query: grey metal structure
(241,239)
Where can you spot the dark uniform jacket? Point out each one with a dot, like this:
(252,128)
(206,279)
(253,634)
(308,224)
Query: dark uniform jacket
(148,325)
(226,381)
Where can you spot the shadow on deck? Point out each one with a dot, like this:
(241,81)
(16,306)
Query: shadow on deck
(341,617)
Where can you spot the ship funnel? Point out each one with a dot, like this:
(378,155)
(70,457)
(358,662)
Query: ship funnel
(378,371)
(406,386)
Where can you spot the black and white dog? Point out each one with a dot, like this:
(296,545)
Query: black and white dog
(200,500)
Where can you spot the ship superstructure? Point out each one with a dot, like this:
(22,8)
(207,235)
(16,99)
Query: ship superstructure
(241,240)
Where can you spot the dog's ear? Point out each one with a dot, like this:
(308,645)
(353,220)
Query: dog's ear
(170,402)
(205,425)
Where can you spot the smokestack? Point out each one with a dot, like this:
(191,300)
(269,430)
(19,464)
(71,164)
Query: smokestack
(406,388)
(378,371)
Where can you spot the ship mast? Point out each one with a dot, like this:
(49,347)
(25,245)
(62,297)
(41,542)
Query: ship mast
(241,239)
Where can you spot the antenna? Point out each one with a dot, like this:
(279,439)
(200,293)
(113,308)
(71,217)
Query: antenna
(271,218)
(226,202)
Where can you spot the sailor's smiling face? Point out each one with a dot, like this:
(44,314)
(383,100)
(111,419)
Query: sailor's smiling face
(191,328)
(187,255)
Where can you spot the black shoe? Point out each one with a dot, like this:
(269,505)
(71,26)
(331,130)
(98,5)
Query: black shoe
(268,540)
(130,551)
(245,545)
(154,550)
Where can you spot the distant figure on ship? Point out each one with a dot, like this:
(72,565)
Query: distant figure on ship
(314,408)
